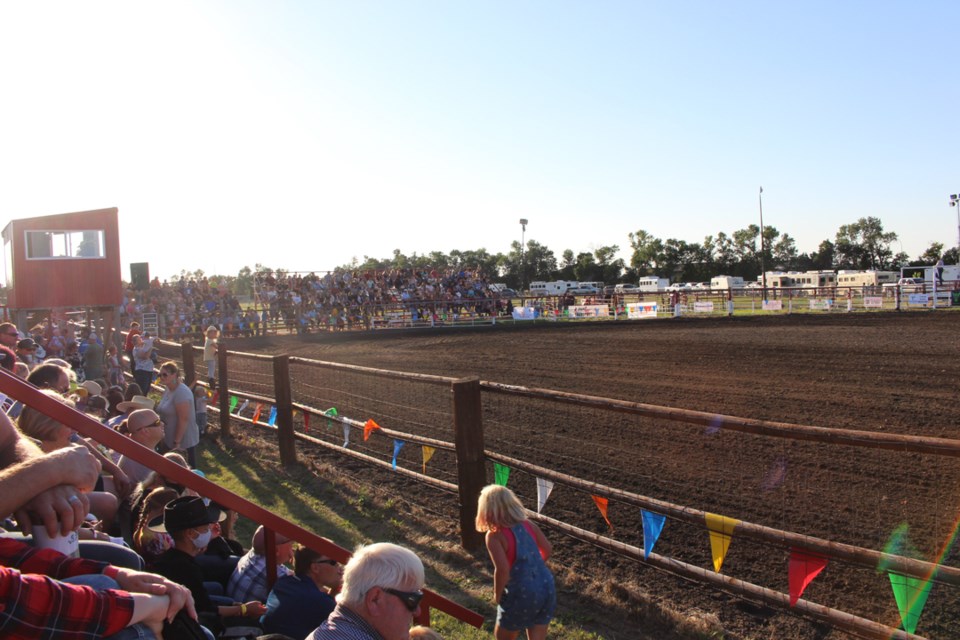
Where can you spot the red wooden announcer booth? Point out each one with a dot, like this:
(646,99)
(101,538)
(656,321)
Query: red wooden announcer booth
(64,261)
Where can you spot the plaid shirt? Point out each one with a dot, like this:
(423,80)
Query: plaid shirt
(344,624)
(249,580)
(35,605)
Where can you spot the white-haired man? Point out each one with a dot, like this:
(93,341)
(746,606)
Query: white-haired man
(382,589)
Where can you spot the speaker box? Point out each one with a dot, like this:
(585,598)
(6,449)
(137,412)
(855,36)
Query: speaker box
(140,275)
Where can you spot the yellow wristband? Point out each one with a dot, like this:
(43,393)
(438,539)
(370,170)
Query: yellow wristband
(243,609)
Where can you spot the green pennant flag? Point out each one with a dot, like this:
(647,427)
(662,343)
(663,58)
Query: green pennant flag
(233,403)
(332,411)
(501,473)
(911,595)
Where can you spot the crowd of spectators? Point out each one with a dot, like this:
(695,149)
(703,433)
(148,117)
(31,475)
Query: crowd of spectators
(342,299)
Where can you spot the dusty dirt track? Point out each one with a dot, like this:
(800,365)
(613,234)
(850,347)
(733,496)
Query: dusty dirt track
(880,372)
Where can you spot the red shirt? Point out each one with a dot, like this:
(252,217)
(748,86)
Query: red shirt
(128,343)
(35,605)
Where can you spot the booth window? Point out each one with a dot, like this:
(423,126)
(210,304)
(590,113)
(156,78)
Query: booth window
(58,245)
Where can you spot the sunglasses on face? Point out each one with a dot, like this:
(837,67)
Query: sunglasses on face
(157,423)
(332,563)
(410,599)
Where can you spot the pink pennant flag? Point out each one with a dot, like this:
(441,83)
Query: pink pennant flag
(804,567)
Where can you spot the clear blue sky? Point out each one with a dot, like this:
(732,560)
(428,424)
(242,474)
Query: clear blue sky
(301,134)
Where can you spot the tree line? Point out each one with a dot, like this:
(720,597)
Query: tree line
(860,245)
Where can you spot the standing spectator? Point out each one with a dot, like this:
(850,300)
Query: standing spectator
(200,407)
(523,586)
(9,336)
(93,359)
(130,343)
(143,363)
(177,411)
(210,346)
(300,603)
(382,590)
(114,368)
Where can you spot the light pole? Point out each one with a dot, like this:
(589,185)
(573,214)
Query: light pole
(955,202)
(523,231)
(763,272)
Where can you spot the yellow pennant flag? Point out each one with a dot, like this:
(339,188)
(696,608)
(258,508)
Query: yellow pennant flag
(721,533)
(427,454)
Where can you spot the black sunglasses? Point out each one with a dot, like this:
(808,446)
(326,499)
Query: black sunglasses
(327,561)
(411,599)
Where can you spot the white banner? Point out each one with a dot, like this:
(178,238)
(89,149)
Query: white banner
(589,311)
(703,307)
(873,302)
(919,299)
(524,313)
(821,305)
(773,305)
(640,310)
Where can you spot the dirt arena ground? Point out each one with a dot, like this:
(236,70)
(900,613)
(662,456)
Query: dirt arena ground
(890,372)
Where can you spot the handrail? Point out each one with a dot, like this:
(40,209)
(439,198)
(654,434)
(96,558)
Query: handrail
(28,394)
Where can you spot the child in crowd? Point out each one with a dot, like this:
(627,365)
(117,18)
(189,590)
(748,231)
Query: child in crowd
(523,586)
(200,406)
(114,368)
(210,354)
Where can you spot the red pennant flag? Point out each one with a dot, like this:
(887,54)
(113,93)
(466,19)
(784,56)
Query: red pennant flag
(368,427)
(804,567)
(256,414)
(306,421)
(216,397)
(602,505)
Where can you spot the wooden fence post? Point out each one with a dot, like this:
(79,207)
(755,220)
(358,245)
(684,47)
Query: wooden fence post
(223,386)
(282,394)
(471,471)
(189,373)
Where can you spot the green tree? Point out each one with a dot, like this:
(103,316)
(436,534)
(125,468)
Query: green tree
(933,253)
(648,251)
(864,245)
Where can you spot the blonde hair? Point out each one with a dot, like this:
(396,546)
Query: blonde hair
(36,424)
(426,633)
(498,508)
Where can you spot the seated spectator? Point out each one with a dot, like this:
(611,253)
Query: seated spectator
(51,484)
(148,543)
(188,521)
(27,352)
(300,603)
(144,427)
(382,590)
(249,579)
(131,506)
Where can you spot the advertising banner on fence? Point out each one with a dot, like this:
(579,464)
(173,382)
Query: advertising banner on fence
(589,311)
(821,305)
(773,305)
(703,307)
(919,299)
(640,310)
(873,302)
(524,313)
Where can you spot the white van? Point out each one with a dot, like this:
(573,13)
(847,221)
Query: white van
(653,284)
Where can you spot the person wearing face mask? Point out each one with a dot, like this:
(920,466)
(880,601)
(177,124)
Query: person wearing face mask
(187,520)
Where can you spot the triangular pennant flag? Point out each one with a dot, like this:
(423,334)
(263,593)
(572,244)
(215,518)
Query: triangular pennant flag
(215,398)
(256,414)
(368,428)
(501,473)
(233,403)
(427,454)
(803,568)
(911,595)
(544,487)
(332,411)
(272,420)
(243,407)
(602,505)
(397,445)
(721,532)
(306,421)
(652,526)
(346,434)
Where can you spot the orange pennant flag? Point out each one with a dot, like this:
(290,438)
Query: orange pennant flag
(256,414)
(368,427)
(306,421)
(804,567)
(602,505)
